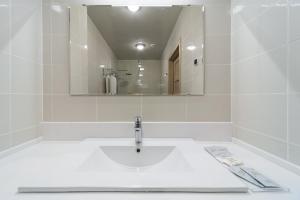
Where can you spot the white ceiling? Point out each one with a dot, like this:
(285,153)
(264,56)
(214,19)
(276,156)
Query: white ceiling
(122,29)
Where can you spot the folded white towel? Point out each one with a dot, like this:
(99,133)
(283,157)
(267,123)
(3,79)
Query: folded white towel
(113,85)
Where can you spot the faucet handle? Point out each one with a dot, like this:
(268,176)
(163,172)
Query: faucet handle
(138,121)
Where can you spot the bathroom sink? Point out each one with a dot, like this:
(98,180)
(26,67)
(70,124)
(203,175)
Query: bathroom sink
(127,155)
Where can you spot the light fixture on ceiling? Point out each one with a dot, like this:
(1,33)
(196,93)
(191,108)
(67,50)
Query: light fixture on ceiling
(142,68)
(140,46)
(191,47)
(133,8)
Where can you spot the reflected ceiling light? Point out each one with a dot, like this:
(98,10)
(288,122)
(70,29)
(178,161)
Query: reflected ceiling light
(191,47)
(139,65)
(133,8)
(140,46)
(141,75)
(142,69)
(85,46)
(102,66)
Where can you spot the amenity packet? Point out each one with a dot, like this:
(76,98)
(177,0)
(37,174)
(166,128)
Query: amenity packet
(223,155)
(265,181)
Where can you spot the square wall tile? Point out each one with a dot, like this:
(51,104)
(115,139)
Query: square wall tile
(60,18)
(217,79)
(294,19)
(294,118)
(5,27)
(163,109)
(27,29)
(208,108)
(22,136)
(60,79)
(26,76)
(294,153)
(118,108)
(25,111)
(294,69)
(47,79)
(266,114)
(4,73)
(275,147)
(47,108)
(5,142)
(60,50)
(4,114)
(217,13)
(74,108)
(218,50)
(272,32)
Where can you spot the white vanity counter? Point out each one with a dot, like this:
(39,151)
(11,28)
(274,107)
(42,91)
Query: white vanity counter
(10,175)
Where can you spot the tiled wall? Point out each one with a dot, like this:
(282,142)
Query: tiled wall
(20,71)
(99,53)
(60,106)
(266,75)
(187,31)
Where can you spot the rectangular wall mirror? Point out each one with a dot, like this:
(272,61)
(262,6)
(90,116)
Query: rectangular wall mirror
(132,50)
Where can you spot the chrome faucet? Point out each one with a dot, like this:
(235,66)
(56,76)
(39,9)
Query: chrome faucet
(138,131)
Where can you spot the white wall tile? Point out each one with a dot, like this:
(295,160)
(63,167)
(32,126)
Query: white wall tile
(271,145)
(5,27)
(20,70)
(163,108)
(22,136)
(217,49)
(217,79)
(294,19)
(294,118)
(4,73)
(25,111)
(265,75)
(217,13)
(5,142)
(294,69)
(26,76)
(26,29)
(60,49)
(4,114)
(74,108)
(118,108)
(294,152)
(262,113)
(209,108)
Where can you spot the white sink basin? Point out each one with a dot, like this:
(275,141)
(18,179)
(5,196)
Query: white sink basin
(127,155)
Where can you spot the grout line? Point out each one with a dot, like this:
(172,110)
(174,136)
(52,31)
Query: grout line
(51,62)
(10,75)
(97,108)
(287,81)
(262,53)
(253,19)
(261,133)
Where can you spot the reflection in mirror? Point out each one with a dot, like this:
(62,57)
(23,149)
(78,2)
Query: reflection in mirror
(137,50)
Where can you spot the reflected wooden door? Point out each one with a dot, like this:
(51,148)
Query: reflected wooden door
(174,73)
(176,77)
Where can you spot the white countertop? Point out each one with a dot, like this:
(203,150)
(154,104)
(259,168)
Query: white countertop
(9,178)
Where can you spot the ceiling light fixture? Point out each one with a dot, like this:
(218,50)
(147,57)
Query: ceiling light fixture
(133,8)
(191,47)
(142,69)
(140,46)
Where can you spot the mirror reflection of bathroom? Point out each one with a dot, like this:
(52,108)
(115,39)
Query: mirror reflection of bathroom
(117,50)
